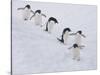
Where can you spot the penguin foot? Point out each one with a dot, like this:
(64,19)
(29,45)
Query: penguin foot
(45,30)
(78,59)
(60,40)
(65,43)
(25,19)
(49,32)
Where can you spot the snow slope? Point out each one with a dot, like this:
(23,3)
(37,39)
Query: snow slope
(36,51)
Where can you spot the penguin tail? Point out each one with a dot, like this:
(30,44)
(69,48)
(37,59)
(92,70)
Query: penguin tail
(60,40)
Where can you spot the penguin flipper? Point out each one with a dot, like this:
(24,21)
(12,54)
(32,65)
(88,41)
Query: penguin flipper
(44,15)
(20,8)
(60,40)
(32,16)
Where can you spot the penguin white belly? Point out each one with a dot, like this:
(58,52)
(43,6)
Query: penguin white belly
(50,26)
(38,19)
(65,37)
(76,53)
(26,14)
(78,39)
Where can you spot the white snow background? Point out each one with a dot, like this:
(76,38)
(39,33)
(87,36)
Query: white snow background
(36,51)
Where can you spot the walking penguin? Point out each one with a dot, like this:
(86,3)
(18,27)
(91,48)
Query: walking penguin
(50,24)
(26,12)
(38,17)
(65,35)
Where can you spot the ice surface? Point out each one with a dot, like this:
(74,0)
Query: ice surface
(36,51)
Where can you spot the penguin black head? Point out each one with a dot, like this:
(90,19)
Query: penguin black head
(66,29)
(38,11)
(53,19)
(28,6)
(80,32)
(75,45)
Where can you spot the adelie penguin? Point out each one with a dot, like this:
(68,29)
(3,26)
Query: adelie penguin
(65,35)
(38,17)
(26,12)
(76,51)
(78,37)
(50,24)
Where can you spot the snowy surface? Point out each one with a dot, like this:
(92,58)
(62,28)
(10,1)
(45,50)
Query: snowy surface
(36,51)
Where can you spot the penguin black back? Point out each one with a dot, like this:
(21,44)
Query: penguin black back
(38,11)
(80,32)
(28,6)
(75,45)
(66,29)
(61,40)
(53,19)
(46,27)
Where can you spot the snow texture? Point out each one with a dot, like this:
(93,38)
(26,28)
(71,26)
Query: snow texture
(37,51)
